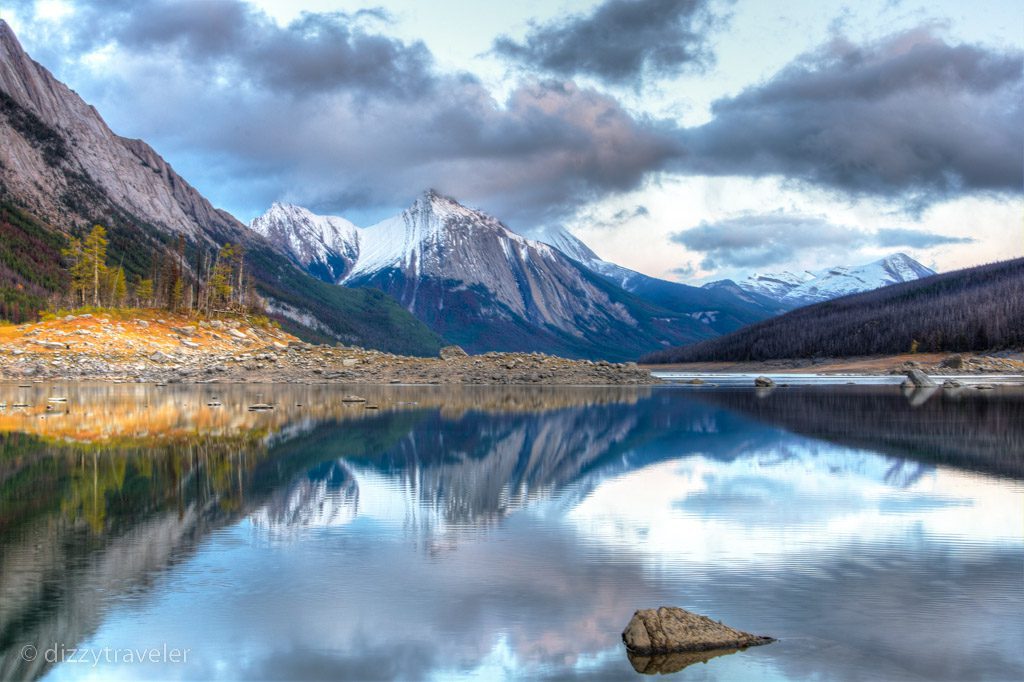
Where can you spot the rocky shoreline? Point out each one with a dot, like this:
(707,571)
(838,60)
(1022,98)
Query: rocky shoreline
(933,364)
(91,348)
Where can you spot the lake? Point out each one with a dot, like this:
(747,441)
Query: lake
(494,533)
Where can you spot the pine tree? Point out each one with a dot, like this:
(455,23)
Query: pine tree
(118,287)
(94,248)
(220,289)
(81,273)
(144,293)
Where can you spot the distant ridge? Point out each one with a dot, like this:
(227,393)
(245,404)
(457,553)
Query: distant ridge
(979,308)
(795,289)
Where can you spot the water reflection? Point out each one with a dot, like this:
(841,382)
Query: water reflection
(496,532)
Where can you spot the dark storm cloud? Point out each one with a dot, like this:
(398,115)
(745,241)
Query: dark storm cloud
(754,240)
(325,112)
(329,111)
(313,53)
(909,116)
(620,42)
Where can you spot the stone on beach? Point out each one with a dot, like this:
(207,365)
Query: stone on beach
(763,382)
(919,378)
(671,629)
(452,353)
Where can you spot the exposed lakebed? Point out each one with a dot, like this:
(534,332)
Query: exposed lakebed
(510,532)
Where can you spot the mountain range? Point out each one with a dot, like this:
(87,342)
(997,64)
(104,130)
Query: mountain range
(439,272)
(793,290)
(477,283)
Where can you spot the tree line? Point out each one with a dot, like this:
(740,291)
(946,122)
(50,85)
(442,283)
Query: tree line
(210,281)
(975,309)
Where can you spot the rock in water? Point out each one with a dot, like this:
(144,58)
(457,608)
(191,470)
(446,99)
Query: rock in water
(919,378)
(763,382)
(670,629)
(452,353)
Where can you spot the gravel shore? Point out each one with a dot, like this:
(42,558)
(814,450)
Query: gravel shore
(179,350)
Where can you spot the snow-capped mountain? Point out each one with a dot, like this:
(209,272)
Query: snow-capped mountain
(326,246)
(478,283)
(803,288)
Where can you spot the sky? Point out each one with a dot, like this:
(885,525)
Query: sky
(688,139)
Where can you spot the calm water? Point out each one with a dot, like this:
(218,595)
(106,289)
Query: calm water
(500,533)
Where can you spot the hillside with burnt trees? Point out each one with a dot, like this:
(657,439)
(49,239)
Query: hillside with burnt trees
(980,308)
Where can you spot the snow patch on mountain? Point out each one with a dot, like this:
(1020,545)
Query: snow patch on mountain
(309,238)
(796,289)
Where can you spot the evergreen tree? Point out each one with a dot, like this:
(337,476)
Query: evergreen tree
(94,249)
(144,293)
(118,287)
(81,274)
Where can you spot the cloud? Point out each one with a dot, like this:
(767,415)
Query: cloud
(896,236)
(685,271)
(759,239)
(639,211)
(908,117)
(330,112)
(326,113)
(232,40)
(621,42)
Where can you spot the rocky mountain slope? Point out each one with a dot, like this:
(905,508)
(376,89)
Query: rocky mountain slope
(62,168)
(479,284)
(723,309)
(803,288)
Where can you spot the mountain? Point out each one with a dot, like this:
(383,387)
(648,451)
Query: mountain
(722,309)
(980,308)
(62,169)
(479,284)
(793,290)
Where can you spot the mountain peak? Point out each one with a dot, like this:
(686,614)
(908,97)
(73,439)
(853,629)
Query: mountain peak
(434,202)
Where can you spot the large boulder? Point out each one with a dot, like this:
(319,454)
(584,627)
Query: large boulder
(763,382)
(670,629)
(919,378)
(452,353)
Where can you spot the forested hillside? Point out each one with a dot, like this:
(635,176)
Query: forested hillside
(30,267)
(979,308)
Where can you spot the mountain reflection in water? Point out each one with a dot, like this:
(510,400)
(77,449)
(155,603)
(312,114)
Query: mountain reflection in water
(463,531)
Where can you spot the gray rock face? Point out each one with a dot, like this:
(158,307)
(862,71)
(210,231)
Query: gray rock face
(129,172)
(919,378)
(669,629)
